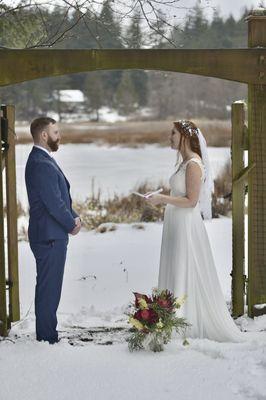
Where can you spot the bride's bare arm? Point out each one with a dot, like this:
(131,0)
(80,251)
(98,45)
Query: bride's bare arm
(193,183)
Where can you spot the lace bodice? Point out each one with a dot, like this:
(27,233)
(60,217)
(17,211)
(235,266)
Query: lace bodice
(178,179)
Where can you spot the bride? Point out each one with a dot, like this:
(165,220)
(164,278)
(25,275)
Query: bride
(187,265)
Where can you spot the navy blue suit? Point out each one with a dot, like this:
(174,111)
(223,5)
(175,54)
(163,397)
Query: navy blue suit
(51,220)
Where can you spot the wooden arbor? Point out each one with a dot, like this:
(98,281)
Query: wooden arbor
(9,288)
(241,65)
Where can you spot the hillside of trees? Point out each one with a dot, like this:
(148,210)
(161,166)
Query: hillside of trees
(169,95)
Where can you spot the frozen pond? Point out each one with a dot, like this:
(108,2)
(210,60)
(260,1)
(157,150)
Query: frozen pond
(113,169)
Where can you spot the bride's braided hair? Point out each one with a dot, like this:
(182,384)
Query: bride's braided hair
(188,129)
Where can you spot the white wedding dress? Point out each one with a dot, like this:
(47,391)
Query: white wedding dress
(187,267)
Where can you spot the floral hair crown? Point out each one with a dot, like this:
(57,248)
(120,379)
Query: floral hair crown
(188,128)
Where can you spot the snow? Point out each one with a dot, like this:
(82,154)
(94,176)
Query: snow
(92,359)
(105,114)
(260,306)
(259,11)
(85,163)
(101,272)
(69,96)
(110,115)
(202,371)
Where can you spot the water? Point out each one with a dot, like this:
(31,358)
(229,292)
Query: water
(113,169)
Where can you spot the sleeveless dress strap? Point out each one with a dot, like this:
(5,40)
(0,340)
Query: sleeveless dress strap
(200,163)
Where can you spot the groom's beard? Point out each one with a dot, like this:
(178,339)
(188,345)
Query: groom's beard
(53,144)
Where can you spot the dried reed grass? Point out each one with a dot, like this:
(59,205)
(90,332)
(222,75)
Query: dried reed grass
(135,133)
(101,215)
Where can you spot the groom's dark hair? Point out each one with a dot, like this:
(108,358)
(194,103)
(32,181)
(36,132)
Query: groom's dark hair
(39,124)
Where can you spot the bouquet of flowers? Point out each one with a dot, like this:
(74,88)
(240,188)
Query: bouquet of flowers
(153,319)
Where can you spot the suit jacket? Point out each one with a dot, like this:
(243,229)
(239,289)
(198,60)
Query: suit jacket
(51,213)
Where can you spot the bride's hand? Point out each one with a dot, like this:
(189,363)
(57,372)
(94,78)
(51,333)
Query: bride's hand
(155,199)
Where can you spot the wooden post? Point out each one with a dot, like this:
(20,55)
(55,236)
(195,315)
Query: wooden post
(257,179)
(3,310)
(11,203)
(238,208)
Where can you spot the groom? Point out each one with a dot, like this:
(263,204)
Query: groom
(51,220)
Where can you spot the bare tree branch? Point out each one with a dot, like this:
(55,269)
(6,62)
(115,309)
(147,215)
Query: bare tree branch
(50,38)
(60,37)
(151,15)
(152,26)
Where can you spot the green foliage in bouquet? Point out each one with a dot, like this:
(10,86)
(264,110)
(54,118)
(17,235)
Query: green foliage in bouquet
(153,319)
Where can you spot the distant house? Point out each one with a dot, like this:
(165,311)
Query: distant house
(69,101)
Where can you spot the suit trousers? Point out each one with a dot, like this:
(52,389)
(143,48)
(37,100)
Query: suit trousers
(50,259)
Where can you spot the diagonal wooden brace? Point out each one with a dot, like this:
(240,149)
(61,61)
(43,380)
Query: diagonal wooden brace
(243,174)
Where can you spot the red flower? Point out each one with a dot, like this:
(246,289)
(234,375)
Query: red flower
(165,300)
(165,303)
(139,296)
(138,315)
(153,317)
(149,316)
(145,314)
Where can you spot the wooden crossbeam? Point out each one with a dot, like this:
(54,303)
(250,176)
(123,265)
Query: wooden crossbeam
(240,65)
(244,173)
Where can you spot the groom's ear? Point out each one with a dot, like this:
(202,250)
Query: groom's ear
(44,135)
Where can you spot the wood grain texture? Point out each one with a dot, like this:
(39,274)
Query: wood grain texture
(12,231)
(238,209)
(257,179)
(240,65)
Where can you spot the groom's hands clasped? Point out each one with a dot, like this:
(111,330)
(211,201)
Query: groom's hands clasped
(77,227)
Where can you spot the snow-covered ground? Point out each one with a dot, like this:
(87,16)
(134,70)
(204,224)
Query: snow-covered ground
(92,360)
(113,169)
(105,114)
(76,99)
(101,272)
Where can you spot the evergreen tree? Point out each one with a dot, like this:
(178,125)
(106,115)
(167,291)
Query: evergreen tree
(133,37)
(109,34)
(20,29)
(55,86)
(177,36)
(170,94)
(240,38)
(134,40)
(229,26)
(157,36)
(195,31)
(84,35)
(217,36)
(108,29)
(198,23)
(94,91)
(126,97)
(139,80)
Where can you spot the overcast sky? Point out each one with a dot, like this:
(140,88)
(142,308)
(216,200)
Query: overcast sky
(226,7)
(232,6)
(175,10)
(178,7)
